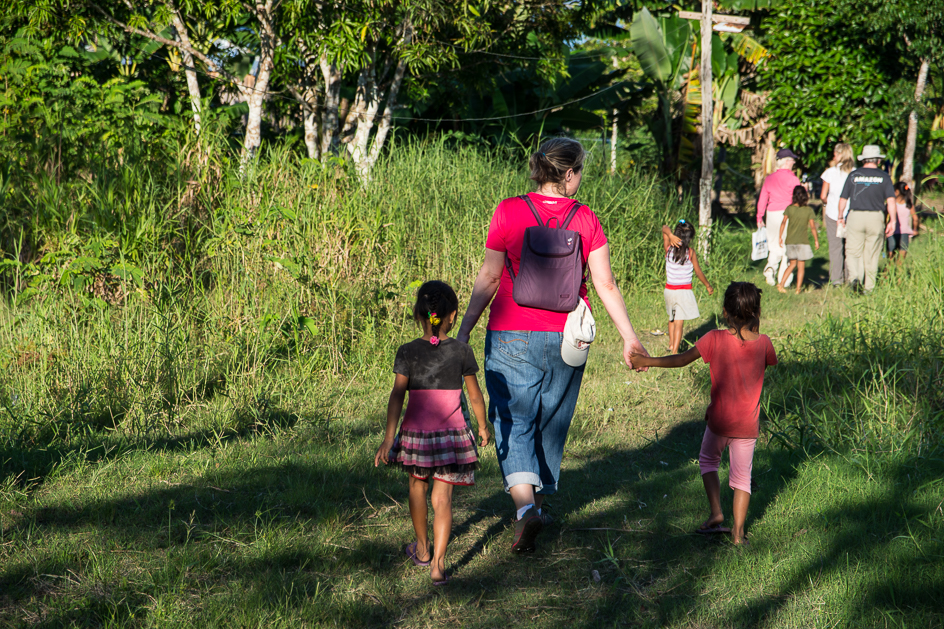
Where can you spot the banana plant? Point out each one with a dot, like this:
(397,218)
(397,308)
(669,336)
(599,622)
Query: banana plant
(662,46)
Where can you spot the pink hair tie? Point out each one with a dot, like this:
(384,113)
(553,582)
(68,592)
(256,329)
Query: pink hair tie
(434,340)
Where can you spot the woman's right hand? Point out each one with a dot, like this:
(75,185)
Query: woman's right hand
(633,346)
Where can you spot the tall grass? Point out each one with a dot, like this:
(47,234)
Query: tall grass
(870,383)
(192,298)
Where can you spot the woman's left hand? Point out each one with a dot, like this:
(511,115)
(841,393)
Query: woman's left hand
(630,347)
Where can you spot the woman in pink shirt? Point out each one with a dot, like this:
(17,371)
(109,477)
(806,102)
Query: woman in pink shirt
(532,390)
(775,195)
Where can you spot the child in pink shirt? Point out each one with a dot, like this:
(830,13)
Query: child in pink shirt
(737,358)
(904,226)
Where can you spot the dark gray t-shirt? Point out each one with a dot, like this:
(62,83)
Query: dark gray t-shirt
(867,189)
(431,367)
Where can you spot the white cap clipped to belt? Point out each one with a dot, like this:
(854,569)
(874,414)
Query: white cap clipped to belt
(579,332)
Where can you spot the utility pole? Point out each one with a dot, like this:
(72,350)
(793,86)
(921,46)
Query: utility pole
(707,132)
(709,22)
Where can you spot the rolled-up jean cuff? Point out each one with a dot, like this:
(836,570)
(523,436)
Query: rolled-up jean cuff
(524,478)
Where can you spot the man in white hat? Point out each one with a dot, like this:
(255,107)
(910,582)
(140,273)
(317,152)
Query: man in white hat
(866,197)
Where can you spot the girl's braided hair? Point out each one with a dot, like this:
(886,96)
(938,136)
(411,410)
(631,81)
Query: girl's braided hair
(435,300)
(742,306)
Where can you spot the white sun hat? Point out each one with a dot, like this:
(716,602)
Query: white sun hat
(579,331)
(871,151)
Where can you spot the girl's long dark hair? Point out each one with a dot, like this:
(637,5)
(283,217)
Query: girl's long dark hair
(685,231)
(904,191)
(434,298)
(742,306)
(800,196)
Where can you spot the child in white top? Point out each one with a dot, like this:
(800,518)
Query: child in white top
(680,263)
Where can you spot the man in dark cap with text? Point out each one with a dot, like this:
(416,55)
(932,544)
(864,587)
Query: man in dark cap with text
(866,198)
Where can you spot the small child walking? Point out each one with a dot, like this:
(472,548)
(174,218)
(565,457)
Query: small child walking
(904,227)
(800,222)
(737,358)
(680,263)
(435,445)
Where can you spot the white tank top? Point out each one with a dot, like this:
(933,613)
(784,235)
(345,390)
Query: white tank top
(678,273)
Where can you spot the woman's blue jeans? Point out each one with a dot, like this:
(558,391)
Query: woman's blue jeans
(532,395)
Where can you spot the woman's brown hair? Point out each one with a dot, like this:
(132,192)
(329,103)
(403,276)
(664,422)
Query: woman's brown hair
(554,158)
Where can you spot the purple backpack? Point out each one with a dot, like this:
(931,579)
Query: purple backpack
(551,268)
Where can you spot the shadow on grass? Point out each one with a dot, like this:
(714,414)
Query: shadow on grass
(28,465)
(252,539)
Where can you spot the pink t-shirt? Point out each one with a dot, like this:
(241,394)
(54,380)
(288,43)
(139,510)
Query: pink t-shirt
(903,226)
(506,234)
(776,193)
(737,378)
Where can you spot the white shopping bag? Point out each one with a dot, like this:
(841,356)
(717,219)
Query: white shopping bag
(759,248)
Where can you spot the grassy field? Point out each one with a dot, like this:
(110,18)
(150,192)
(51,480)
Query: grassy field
(198,451)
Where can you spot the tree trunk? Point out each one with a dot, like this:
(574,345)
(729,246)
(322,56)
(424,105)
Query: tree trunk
(366,106)
(907,169)
(613,138)
(257,93)
(614,130)
(707,133)
(193,87)
(365,151)
(311,122)
(386,121)
(256,96)
(329,123)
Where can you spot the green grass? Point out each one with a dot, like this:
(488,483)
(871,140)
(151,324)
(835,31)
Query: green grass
(198,452)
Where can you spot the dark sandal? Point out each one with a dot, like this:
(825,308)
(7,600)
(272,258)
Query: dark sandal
(410,551)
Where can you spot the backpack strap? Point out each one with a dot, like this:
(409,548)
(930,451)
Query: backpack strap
(534,210)
(570,215)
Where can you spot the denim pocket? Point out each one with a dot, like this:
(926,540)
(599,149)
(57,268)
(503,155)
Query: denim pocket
(511,343)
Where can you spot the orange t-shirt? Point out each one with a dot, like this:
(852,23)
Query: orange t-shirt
(737,378)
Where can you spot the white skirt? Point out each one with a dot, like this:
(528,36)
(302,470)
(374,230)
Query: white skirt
(680,304)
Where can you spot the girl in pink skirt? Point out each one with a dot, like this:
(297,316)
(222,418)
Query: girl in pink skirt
(435,445)
(737,358)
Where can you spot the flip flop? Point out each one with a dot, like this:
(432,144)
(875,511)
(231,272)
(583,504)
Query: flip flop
(713,530)
(410,551)
(444,581)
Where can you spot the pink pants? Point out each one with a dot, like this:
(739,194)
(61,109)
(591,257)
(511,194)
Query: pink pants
(740,452)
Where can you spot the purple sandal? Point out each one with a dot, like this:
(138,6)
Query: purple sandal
(410,551)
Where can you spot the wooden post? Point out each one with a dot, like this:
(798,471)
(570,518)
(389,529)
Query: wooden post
(707,133)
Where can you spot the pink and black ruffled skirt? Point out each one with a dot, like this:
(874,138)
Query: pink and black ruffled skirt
(447,454)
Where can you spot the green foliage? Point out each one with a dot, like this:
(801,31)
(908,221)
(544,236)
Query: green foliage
(664,51)
(55,111)
(828,84)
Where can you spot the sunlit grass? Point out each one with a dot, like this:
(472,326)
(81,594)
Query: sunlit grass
(197,450)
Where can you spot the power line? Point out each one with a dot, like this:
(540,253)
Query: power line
(487,119)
